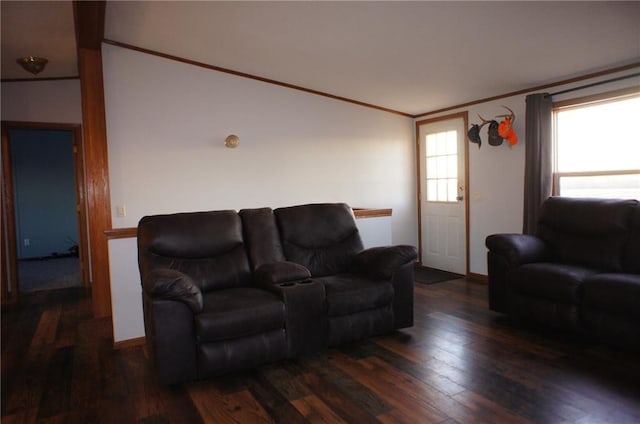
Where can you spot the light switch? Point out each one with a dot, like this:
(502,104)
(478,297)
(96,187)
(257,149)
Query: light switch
(121,211)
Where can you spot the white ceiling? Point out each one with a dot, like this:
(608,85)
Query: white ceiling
(413,57)
(38,28)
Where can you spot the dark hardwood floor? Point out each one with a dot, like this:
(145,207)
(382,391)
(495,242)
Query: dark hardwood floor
(460,363)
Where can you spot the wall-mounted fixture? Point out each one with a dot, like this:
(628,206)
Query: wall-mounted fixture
(497,131)
(232,141)
(32,64)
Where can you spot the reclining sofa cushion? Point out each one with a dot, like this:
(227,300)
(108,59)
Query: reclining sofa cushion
(225,356)
(587,232)
(236,313)
(551,281)
(321,237)
(617,293)
(349,328)
(610,308)
(547,293)
(206,246)
(348,294)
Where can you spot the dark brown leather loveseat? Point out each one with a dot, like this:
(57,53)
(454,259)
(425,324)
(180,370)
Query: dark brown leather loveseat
(580,272)
(224,290)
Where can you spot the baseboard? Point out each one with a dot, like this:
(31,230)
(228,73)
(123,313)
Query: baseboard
(471,275)
(138,341)
(478,277)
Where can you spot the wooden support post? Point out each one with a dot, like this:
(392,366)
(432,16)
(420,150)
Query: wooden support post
(89,18)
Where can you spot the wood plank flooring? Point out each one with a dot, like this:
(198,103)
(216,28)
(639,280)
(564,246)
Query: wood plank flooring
(460,363)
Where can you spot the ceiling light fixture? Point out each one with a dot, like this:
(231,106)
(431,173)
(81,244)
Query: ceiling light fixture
(32,64)
(232,141)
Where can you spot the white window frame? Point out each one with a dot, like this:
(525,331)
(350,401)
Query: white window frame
(579,102)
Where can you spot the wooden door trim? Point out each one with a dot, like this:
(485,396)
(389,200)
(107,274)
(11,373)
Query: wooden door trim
(7,215)
(81,204)
(465,118)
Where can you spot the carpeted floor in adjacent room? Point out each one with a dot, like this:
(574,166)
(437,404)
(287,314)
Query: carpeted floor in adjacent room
(49,273)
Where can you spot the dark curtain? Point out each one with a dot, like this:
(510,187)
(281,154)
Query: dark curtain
(538,168)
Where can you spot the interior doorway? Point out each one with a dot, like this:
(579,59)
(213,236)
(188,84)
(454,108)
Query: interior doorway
(443,203)
(44,231)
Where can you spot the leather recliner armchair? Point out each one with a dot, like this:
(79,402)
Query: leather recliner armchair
(203,314)
(580,272)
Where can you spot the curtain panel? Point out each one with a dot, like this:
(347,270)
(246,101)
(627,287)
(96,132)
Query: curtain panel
(538,168)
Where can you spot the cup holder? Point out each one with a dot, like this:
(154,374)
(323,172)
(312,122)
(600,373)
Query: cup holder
(294,283)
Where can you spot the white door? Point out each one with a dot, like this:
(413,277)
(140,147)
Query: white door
(442,194)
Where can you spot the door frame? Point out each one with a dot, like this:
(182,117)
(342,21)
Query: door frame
(465,118)
(9,257)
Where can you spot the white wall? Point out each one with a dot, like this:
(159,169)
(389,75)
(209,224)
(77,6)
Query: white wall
(496,174)
(126,290)
(375,231)
(166,125)
(57,101)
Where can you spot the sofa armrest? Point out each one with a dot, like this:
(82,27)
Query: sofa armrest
(171,284)
(518,249)
(280,272)
(171,340)
(506,252)
(304,299)
(382,262)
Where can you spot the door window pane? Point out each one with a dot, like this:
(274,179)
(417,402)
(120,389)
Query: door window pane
(432,190)
(442,166)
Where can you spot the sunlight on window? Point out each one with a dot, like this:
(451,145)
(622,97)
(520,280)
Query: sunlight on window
(442,166)
(604,186)
(598,150)
(600,137)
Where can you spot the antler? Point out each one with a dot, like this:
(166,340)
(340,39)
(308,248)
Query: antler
(512,116)
(484,121)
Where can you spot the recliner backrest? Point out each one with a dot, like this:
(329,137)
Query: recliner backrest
(322,237)
(589,232)
(207,246)
(261,236)
(631,261)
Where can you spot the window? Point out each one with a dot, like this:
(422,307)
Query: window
(597,147)
(442,166)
